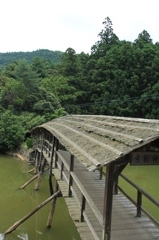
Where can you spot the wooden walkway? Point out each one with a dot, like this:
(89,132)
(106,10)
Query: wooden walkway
(125,224)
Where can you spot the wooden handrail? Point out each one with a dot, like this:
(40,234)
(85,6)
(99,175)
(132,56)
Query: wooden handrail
(89,201)
(140,190)
(138,203)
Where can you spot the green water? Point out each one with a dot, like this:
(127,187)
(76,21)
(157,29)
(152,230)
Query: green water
(147,178)
(16,203)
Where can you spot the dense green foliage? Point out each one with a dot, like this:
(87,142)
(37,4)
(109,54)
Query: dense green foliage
(47,55)
(118,78)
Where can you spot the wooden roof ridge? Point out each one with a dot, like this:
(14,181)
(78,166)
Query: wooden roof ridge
(108,131)
(116,124)
(144,120)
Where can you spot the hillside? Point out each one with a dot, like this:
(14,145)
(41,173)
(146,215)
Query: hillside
(6,58)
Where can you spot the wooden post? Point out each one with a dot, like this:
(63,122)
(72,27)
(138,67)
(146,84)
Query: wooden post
(32,179)
(56,149)
(40,174)
(116,186)
(100,173)
(70,177)
(49,153)
(139,203)
(31,170)
(51,214)
(51,165)
(37,159)
(83,205)
(61,172)
(12,228)
(108,200)
(40,156)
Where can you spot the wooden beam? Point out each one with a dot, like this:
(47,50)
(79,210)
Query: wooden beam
(70,184)
(40,174)
(108,201)
(51,165)
(27,183)
(52,210)
(15,225)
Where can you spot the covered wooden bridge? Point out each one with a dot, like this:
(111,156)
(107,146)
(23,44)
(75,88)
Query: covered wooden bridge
(78,147)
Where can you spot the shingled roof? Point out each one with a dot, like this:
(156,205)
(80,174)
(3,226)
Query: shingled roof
(96,140)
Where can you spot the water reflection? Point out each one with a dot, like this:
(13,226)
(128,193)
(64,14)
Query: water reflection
(1,236)
(23,236)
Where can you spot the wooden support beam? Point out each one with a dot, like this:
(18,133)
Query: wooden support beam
(37,160)
(31,170)
(61,172)
(51,165)
(56,149)
(40,174)
(108,201)
(51,214)
(83,205)
(100,173)
(15,225)
(70,183)
(139,203)
(27,183)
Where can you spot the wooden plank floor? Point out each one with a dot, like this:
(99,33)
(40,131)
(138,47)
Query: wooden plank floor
(125,224)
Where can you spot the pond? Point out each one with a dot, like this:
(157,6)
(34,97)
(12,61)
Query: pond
(147,178)
(15,203)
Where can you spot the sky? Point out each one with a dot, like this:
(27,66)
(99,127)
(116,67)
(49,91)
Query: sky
(28,25)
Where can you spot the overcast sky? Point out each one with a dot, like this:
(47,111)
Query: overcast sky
(27,25)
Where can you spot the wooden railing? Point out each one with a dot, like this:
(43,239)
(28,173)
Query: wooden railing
(138,202)
(71,179)
(67,173)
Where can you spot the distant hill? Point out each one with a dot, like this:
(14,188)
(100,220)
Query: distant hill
(6,58)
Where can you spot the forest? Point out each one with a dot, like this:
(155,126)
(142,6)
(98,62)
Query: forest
(8,57)
(119,78)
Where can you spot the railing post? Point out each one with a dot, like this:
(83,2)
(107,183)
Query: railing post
(42,148)
(70,177)
(83,205)
(51,166)
(116,186)
(49,148)
(57,148)
(100,173)
(139,203)
(61,172)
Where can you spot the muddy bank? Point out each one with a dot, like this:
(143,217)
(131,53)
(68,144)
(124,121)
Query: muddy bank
(21,152)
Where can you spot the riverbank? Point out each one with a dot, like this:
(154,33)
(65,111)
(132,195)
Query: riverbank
(22,152)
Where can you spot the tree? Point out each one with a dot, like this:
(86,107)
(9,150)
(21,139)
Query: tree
(11,131)
(69,63)
(13,94)
(107,39)
(24,73)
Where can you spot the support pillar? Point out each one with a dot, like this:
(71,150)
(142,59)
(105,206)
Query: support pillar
(40,174)
(108,201)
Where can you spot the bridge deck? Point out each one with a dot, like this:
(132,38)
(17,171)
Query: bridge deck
(125,224)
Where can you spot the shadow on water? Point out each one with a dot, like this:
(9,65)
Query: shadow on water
(16,203)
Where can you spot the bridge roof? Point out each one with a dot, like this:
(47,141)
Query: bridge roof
(96,140)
